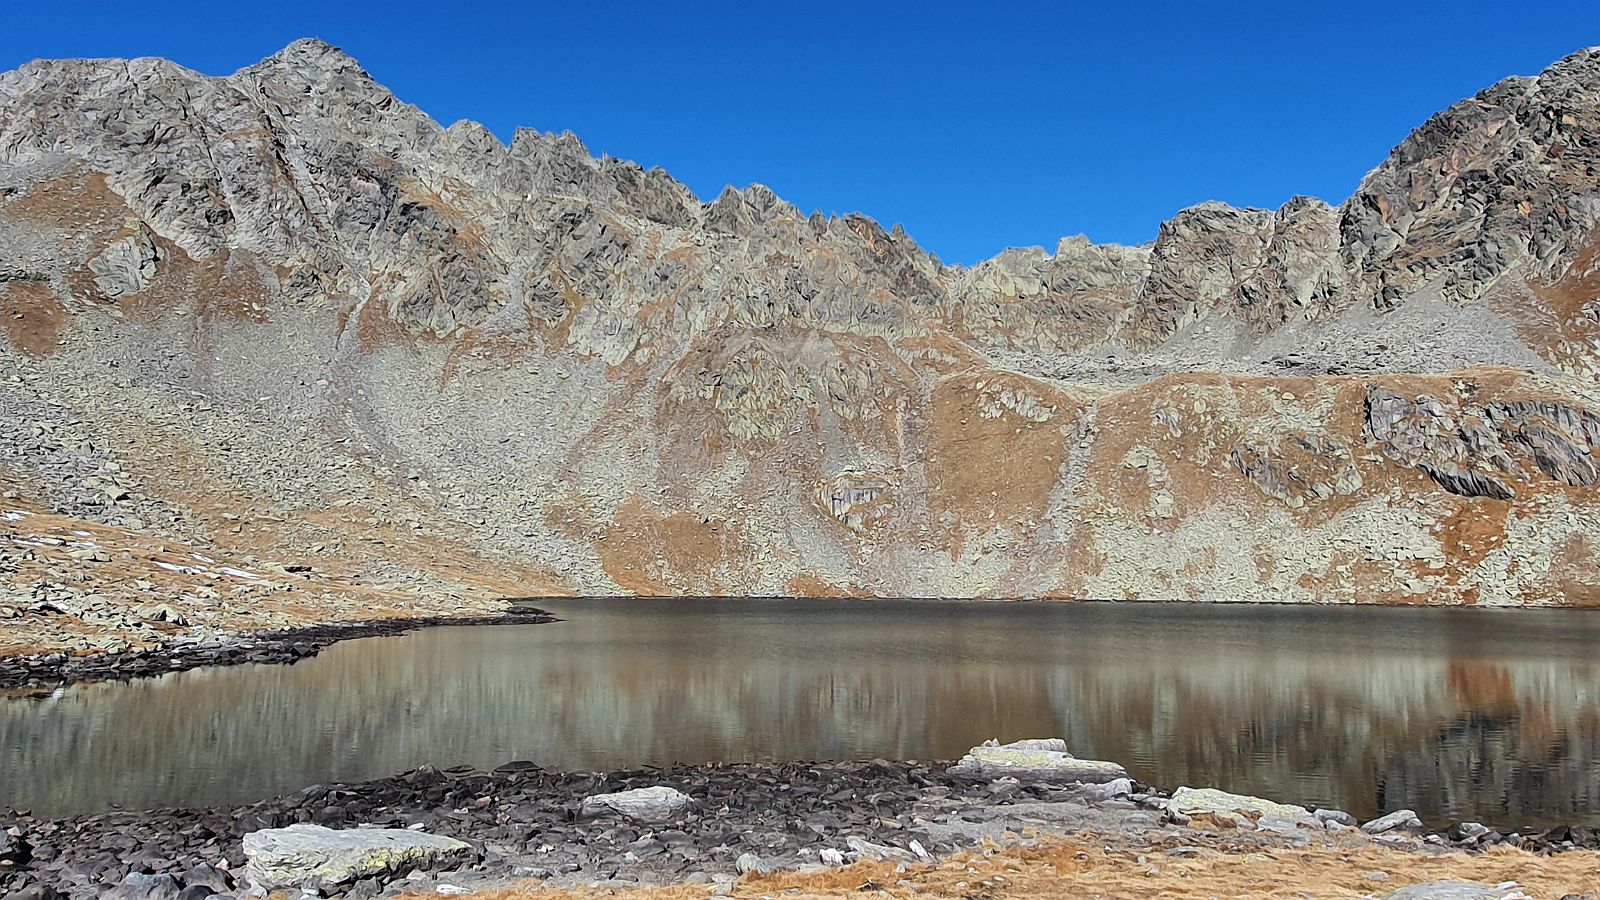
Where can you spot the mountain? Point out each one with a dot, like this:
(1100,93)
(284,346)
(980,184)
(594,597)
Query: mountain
(285,314)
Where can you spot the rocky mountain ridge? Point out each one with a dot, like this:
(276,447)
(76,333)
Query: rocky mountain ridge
(311,293)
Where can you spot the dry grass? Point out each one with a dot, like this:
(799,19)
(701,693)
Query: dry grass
(1078,867)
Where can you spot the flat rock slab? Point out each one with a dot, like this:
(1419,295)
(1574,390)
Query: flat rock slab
(1455,890)
(1034,761)
(652,805)
(311,856)
(1240,809)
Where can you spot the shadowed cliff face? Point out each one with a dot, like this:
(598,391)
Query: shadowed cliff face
(321,296)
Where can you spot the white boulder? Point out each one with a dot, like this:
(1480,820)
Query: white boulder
(1044,760)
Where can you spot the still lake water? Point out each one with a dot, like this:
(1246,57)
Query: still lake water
(1486,715)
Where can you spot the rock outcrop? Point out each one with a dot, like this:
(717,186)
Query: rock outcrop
(1039,760)
(301,291)
(315,858)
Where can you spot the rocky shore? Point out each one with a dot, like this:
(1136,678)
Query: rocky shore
(701,824)
(48,671)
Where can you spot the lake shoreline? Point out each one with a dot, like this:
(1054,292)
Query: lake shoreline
(528,823)
(46,672)
(28,672)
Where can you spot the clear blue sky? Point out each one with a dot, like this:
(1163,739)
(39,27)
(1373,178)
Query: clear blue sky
(977,126)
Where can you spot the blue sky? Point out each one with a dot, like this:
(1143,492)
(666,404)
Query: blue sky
(977,126)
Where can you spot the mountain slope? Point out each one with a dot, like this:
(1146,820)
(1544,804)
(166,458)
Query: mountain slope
(367,326)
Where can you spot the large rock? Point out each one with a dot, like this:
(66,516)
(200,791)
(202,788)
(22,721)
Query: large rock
(1240,809)
(1404,819)
(652,805)
(311,856)
(1034,760)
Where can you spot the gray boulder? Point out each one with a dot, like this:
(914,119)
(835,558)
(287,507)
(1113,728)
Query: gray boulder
(653,805)
(1404,819)
(1110,790)
(311,856)
(1336,815)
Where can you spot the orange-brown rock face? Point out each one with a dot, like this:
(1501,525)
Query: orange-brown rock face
(288,287)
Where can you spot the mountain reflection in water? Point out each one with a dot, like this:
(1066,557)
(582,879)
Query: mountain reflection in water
(1480,715)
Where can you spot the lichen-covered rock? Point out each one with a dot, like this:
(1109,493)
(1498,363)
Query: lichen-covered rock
(1241,809)
(311,856)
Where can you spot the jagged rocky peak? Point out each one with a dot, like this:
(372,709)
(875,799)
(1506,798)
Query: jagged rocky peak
(1506,177)
(307,162)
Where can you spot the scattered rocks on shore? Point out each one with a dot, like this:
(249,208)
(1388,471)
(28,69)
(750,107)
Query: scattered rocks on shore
(707,824)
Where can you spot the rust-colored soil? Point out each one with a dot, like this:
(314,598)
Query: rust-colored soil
(31,317)
(653,554)
(993,466)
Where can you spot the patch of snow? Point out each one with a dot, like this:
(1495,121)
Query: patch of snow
(202,557)
(170,567)
(237,573)
(14,515)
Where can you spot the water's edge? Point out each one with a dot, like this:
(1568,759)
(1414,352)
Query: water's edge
(50,671)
